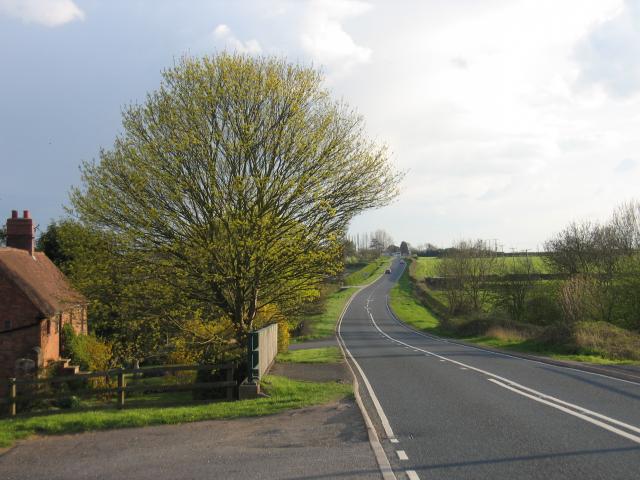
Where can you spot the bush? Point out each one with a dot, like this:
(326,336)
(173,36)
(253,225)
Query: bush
(542,308)
(87,351)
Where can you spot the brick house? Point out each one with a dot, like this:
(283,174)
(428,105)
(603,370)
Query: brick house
(36,301)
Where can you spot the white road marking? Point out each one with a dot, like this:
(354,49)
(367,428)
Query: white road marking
(499,354)
(412,475)
(600,424)
(376,446)
(402,455)
(538,394)
(463,368)
(394,440)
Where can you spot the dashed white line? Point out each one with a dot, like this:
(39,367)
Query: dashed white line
(394,440)
(402,455)
(412,475)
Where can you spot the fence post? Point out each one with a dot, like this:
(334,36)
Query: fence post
(12,396)
(121,386)
(229,379)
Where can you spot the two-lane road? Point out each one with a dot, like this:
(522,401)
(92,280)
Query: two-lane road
(452,411)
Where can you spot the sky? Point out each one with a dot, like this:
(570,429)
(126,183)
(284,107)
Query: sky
(511,118)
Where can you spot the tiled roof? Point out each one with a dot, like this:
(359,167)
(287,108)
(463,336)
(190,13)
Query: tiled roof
(40,280)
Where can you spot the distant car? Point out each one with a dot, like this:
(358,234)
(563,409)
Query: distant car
(401,262)
(387,270)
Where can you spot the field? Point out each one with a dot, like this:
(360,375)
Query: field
(428,266)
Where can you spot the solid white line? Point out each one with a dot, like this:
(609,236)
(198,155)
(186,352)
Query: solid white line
(600,424)
(494,352)
(412,475)
(374,441)
(402,455)
(522,387)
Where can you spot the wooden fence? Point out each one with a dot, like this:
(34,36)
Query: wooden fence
(16,386)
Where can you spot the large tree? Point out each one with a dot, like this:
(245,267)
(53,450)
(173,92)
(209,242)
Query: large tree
(241,173)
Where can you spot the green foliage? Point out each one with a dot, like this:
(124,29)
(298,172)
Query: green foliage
(311,355)
(323,324)
(130,304)
(87,351)
(283,394)
(237,177)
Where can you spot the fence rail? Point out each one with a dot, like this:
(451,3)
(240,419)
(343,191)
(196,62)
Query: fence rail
(15,394)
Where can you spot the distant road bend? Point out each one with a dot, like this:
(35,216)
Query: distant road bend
(451,411)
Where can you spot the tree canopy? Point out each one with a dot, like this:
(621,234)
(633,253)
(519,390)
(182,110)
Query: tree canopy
(237,179)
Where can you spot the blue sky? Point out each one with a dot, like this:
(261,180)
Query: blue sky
(512,117)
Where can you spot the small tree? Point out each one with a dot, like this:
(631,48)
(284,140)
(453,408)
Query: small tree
(516,284)
(404,248)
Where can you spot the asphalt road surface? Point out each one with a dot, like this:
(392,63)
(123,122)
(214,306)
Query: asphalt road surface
(450,411)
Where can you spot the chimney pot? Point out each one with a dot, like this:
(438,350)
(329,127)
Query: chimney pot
(20,232)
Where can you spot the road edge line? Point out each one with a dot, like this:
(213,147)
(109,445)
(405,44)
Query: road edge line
(374,441)
(529,358)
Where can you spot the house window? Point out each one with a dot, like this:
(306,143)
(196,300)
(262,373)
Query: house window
(7,324)
(48,327)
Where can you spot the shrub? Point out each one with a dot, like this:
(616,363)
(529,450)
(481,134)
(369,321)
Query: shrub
(87,351)
(542,308)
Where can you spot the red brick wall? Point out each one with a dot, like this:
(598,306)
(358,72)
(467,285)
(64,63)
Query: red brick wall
(16,308)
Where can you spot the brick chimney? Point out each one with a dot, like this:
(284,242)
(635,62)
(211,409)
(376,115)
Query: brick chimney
(20,233)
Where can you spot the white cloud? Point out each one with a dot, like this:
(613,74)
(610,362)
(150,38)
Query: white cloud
(224,34)
(51,13)
(325,39)
(610,55)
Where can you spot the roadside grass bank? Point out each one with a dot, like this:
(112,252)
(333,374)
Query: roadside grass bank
(407,300)
(321,324)
(311,355)
(369,273)
(284,394)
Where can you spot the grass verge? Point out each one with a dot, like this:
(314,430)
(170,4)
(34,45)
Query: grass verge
(283,394)
(410,310)
(311,355)
(369,273)
(323,324)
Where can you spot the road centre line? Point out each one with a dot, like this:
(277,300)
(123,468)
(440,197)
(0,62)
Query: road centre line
(600,424)
(548,399)
(402,455)
(412,475)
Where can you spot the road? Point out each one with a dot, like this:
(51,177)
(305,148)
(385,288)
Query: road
(449,411)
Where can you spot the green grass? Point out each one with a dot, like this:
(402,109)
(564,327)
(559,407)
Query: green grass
(311,355)
(283,394)
(428,266)
(369,273)
(536,348)
(323,324)
(408,308)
